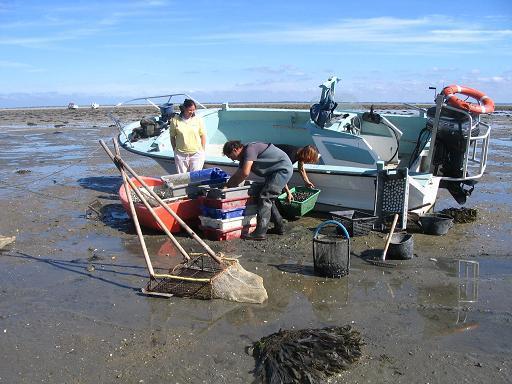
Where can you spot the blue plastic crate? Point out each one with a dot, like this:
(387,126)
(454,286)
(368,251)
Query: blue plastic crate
(208,174)
(228,213)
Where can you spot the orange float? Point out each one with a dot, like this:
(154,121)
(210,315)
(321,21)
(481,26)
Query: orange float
(485,103)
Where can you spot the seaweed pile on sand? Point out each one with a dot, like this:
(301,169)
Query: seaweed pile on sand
(461,215)
(306,355)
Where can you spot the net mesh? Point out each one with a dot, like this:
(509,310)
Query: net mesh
(228,280)
(238,284)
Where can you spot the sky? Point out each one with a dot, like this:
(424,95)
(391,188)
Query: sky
(54,52)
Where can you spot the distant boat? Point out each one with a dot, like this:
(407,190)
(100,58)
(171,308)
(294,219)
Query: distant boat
(72,106)
(95,106)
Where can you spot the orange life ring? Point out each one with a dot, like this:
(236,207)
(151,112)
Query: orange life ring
(486,106)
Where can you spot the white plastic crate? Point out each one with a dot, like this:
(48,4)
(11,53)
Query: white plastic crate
(226,224)
(177,179)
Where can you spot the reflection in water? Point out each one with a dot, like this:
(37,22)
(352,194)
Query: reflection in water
(469,272)
(446,307)
(323,295)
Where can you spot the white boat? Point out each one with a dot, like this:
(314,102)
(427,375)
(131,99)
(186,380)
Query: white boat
(95,106)
(440,145)
(72,106)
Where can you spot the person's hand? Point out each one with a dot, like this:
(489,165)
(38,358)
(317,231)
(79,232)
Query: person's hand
(309,184)
(289,197)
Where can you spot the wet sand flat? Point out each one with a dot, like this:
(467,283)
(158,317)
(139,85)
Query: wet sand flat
(70,303)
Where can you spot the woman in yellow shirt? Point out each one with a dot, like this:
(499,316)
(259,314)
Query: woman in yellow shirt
(188,138)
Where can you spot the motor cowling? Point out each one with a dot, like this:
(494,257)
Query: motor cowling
(450,150)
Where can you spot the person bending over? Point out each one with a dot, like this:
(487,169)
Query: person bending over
(188,138)
(300,155)
(269,162)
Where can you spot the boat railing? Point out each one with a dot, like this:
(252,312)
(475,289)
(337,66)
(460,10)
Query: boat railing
(144,101)
(422,111)
(476,151)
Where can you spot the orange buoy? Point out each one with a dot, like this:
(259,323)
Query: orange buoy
(485,103)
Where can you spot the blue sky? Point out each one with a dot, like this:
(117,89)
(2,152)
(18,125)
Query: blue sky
(53,52)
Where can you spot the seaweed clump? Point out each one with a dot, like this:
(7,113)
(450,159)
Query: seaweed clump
(307,355)
(461,215)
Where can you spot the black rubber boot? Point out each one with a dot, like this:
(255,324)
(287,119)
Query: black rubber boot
(257,235)
(263,218)
(277,219)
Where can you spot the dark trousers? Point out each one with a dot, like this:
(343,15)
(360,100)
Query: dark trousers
(267,209)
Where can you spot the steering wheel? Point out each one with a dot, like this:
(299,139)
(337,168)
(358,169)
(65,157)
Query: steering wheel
(355,125)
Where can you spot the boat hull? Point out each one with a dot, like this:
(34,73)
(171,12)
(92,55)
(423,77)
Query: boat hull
(344,190)
(347,171)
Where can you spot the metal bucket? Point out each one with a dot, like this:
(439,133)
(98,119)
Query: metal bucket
(435,223)
(331,254)
(401,246)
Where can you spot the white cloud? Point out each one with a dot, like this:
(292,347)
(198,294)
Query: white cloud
(431,29)
(493,79)
(14,64)
(285,69)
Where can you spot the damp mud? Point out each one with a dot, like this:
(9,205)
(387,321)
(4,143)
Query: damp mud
(71,309)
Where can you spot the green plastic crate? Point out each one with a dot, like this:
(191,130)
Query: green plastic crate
(298,208)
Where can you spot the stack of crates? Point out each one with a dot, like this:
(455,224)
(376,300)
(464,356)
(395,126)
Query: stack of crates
(228,213)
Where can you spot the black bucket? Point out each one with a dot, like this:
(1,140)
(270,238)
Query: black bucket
(435,223)
(401,247)
(331,254)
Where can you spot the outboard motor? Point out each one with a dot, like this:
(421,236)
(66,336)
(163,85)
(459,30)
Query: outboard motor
(450,148)
(167,112)
(151,126)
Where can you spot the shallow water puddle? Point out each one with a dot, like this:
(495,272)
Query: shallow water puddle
(473,306)
(462,304)
(503,142)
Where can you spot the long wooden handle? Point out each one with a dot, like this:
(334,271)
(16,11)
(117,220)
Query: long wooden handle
(395,219)
(148,206)
(137,226)
(118,160)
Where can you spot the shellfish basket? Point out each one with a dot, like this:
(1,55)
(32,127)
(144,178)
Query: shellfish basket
(331,252)
(192,279)
(296,207)
(393,195)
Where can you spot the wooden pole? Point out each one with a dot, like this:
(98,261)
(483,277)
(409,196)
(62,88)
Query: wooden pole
(388,240)
(137,225)
(149,207)
(118,160)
